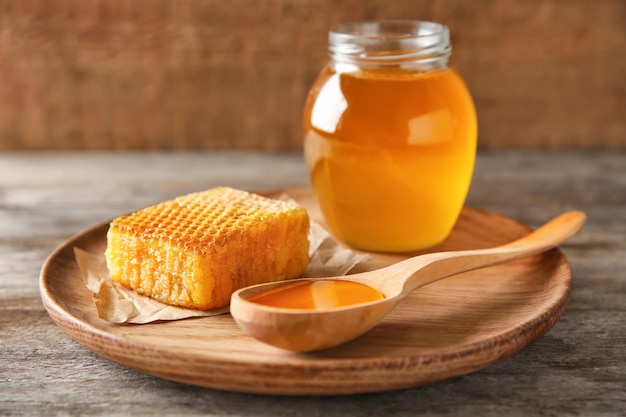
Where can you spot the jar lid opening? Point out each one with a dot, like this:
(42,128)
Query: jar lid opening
(390,41)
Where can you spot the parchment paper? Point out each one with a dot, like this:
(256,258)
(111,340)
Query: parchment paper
(118,304)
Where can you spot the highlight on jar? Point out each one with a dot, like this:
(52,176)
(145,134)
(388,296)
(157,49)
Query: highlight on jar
(390,136)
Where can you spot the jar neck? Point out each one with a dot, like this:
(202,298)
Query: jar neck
(405,44)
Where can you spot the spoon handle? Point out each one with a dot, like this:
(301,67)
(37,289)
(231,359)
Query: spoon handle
(425,269)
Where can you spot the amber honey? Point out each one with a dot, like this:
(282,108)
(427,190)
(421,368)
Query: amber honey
(390,151)
(317,295)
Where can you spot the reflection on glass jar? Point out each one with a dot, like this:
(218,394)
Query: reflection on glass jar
(390,136)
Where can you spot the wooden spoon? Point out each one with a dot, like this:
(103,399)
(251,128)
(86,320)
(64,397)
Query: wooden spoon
(309,330)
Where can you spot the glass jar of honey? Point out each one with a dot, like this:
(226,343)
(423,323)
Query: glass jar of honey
(390,136)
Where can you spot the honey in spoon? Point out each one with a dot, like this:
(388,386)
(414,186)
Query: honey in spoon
(317,295)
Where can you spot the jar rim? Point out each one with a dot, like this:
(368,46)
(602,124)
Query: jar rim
(389,41)
(398,27)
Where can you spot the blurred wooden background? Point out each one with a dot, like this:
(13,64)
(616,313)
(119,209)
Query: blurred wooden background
(215,74)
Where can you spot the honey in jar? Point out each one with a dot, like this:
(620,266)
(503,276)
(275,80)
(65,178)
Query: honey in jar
(390,136)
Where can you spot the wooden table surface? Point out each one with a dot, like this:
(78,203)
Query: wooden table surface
(578,368)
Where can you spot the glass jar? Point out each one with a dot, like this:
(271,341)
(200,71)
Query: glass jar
(390,136)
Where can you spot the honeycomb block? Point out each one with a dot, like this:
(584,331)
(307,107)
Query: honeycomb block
(196,250)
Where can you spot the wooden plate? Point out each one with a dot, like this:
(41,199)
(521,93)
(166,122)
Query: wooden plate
(449,328)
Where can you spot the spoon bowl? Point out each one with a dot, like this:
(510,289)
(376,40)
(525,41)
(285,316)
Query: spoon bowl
(305,330)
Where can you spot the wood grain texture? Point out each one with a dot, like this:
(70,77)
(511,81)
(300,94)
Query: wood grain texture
(446,329)
(578,368)
(188,74)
